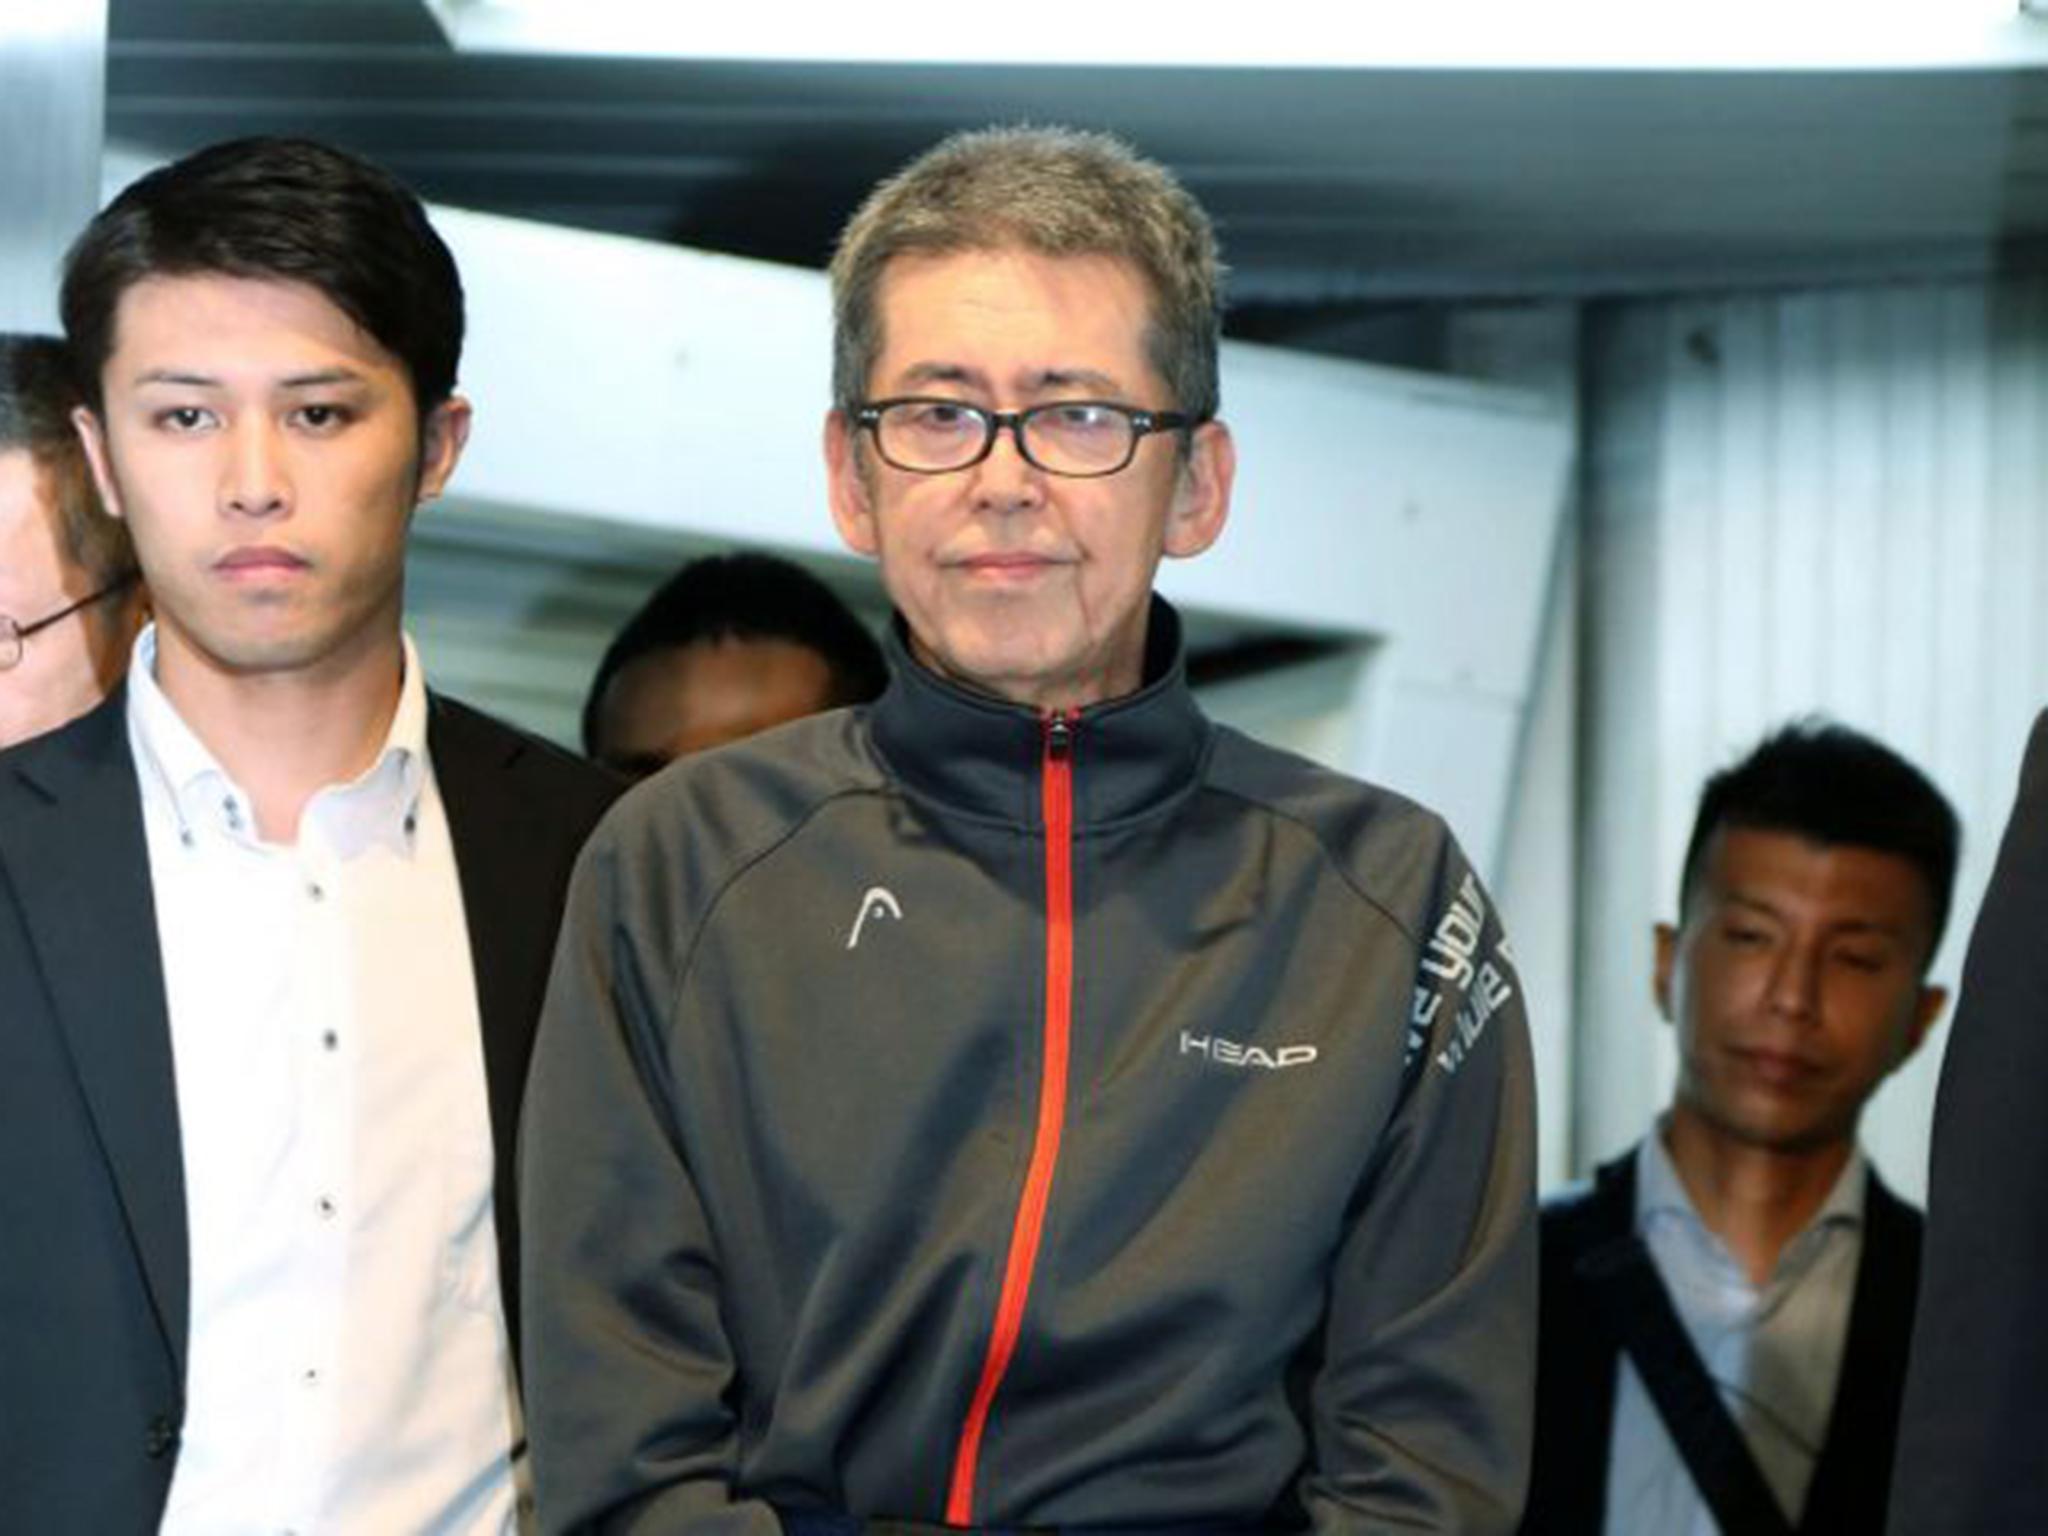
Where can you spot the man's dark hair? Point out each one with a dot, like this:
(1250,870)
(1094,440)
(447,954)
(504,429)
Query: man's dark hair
(746,597)
(277,210)
(37,394)
(1837,787)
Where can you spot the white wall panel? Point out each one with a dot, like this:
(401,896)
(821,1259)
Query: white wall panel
(1823,502)
(52,111)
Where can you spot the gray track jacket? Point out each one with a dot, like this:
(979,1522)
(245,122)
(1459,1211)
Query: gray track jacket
(947,1114)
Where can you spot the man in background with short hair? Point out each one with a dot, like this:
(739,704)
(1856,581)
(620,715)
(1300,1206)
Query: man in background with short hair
(69,600)
(1725,1315)
(727,646)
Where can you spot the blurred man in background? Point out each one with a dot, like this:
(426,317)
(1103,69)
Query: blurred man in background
(1725,1315)
(729,645)
(69,601)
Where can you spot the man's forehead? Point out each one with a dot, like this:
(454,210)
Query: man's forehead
(216,312)
(1082,314)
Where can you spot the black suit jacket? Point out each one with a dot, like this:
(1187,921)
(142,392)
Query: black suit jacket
(1975,1430)
(93,1258)
(1578,1359)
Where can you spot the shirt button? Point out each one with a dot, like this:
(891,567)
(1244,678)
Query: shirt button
(316,890)
(326,1207)
(310,1376)
(329,1040)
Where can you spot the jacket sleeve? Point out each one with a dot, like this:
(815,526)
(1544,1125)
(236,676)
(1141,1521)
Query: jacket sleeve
(628,1371)
(1976,1409)
(1423,1403)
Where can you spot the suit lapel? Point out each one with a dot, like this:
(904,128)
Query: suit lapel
(473,768)
(1853,1476)
(1578,1362)
(78,863)
(476,767)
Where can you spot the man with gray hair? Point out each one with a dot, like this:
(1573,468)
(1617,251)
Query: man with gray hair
(69,603)
(1022,1102)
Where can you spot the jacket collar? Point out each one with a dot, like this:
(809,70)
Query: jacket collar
(983,756)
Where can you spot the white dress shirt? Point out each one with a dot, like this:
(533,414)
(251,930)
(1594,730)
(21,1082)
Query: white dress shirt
(1774,1350)
(347,1368)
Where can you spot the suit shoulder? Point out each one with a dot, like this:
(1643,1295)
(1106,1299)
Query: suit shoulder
(467,736)
(1398,855)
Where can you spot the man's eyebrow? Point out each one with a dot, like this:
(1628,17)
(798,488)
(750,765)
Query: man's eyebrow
(1761,904)
(942,373)
(319,379)
(1072,378)
(1044,381)
(322,379)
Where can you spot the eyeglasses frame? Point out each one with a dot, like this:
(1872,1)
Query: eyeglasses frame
(24,632)
(868,415)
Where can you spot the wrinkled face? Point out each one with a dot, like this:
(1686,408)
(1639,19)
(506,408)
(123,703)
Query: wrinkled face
(68,667)
(1018,583)
(1795,986)
(665,704)
(267,455)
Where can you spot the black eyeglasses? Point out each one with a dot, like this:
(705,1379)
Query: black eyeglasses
(14,634)
(1076,438)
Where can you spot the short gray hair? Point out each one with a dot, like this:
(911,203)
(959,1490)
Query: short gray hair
(1054,192)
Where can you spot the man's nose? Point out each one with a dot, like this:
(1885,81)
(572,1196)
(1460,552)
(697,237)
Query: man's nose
(1795,981)
(1005,479)
(256,476)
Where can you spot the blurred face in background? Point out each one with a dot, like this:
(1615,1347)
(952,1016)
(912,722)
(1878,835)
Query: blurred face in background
(1795,983)
(667,703)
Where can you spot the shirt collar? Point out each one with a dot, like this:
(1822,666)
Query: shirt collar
(983,755)
(379,805)
(1661,1197)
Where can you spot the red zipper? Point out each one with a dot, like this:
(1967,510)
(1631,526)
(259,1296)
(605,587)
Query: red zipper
(1057,800)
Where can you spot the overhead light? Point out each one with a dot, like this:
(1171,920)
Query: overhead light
(1474,34)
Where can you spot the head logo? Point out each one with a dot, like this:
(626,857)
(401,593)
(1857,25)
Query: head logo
(1230,1053)
(877,903)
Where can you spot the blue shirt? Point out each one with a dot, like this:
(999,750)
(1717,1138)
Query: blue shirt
(1774,1350)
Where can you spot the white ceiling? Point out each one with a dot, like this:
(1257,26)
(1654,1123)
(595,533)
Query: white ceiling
(1337,191)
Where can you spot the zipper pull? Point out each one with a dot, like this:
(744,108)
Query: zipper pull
(1059,734)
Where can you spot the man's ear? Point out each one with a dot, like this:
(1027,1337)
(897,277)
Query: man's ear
(1927,1009)
(92,434)
(847,490)
(1665,937)
(443,435)
(1201,494)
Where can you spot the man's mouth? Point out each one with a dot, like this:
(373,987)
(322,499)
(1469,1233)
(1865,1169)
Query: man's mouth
(253,562)
(1776,1069)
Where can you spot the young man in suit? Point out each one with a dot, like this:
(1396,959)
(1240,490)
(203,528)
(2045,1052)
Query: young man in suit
(274,919)
(1725,1314)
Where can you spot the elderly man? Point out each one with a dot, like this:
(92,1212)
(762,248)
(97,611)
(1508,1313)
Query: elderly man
(1022,1102)
(69,602)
